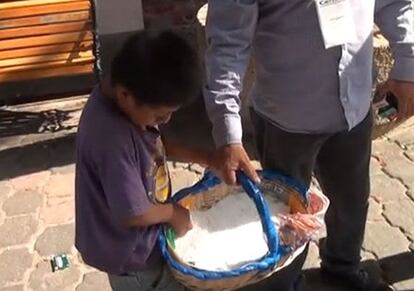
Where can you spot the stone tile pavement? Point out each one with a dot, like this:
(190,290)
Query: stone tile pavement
(37,221)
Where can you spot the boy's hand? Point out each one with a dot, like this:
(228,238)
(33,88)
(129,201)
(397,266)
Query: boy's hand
(180,221)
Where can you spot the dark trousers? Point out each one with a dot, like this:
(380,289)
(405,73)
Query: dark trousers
(341,163)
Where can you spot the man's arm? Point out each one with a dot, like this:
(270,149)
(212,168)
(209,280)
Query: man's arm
(230,30)
(395,20)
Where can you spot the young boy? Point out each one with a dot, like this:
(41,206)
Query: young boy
(122,180)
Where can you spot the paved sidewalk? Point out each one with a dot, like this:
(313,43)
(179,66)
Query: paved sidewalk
(36,205)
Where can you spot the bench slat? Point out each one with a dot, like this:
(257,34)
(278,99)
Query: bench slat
(41,10)
(80,69)
(26,3)
(44,29)
(45,40)
(16,69)
(68,57)
(45,19)
(47,49)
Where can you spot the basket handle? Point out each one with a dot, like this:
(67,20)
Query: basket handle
(257,196)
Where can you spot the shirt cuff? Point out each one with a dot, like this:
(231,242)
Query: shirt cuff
(228,131)
(403,69)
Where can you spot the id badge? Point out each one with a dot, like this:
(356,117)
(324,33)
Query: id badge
(336,22)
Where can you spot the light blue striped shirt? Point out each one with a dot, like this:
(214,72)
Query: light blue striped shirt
(300,86)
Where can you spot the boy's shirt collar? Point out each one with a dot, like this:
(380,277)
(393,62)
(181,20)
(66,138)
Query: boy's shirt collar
(153,129)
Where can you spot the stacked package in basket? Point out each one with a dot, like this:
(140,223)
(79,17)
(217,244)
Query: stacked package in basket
(241,234)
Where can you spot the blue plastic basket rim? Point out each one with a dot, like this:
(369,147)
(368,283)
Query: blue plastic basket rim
(269,260)
(209,180)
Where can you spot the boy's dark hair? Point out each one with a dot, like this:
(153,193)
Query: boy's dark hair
(159,68)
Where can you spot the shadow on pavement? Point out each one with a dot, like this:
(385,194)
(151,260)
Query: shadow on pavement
(14,123)
(392,269)
(398,268)
(37,157)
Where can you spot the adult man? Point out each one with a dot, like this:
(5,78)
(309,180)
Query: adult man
(311,103)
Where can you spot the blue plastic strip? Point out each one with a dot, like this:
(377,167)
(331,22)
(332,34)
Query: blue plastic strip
(208,181)
(275,251)
(264,212)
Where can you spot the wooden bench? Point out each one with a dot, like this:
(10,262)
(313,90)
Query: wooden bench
(45,38)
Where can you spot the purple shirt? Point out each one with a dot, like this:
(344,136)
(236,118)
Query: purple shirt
(120,171)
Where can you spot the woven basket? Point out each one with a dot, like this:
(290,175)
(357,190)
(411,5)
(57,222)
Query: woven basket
(201,196)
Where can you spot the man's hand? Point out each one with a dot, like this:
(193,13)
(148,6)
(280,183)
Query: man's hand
(230,158)
(180,220)
(404,92)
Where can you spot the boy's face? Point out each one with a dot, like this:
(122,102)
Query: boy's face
(143,115)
